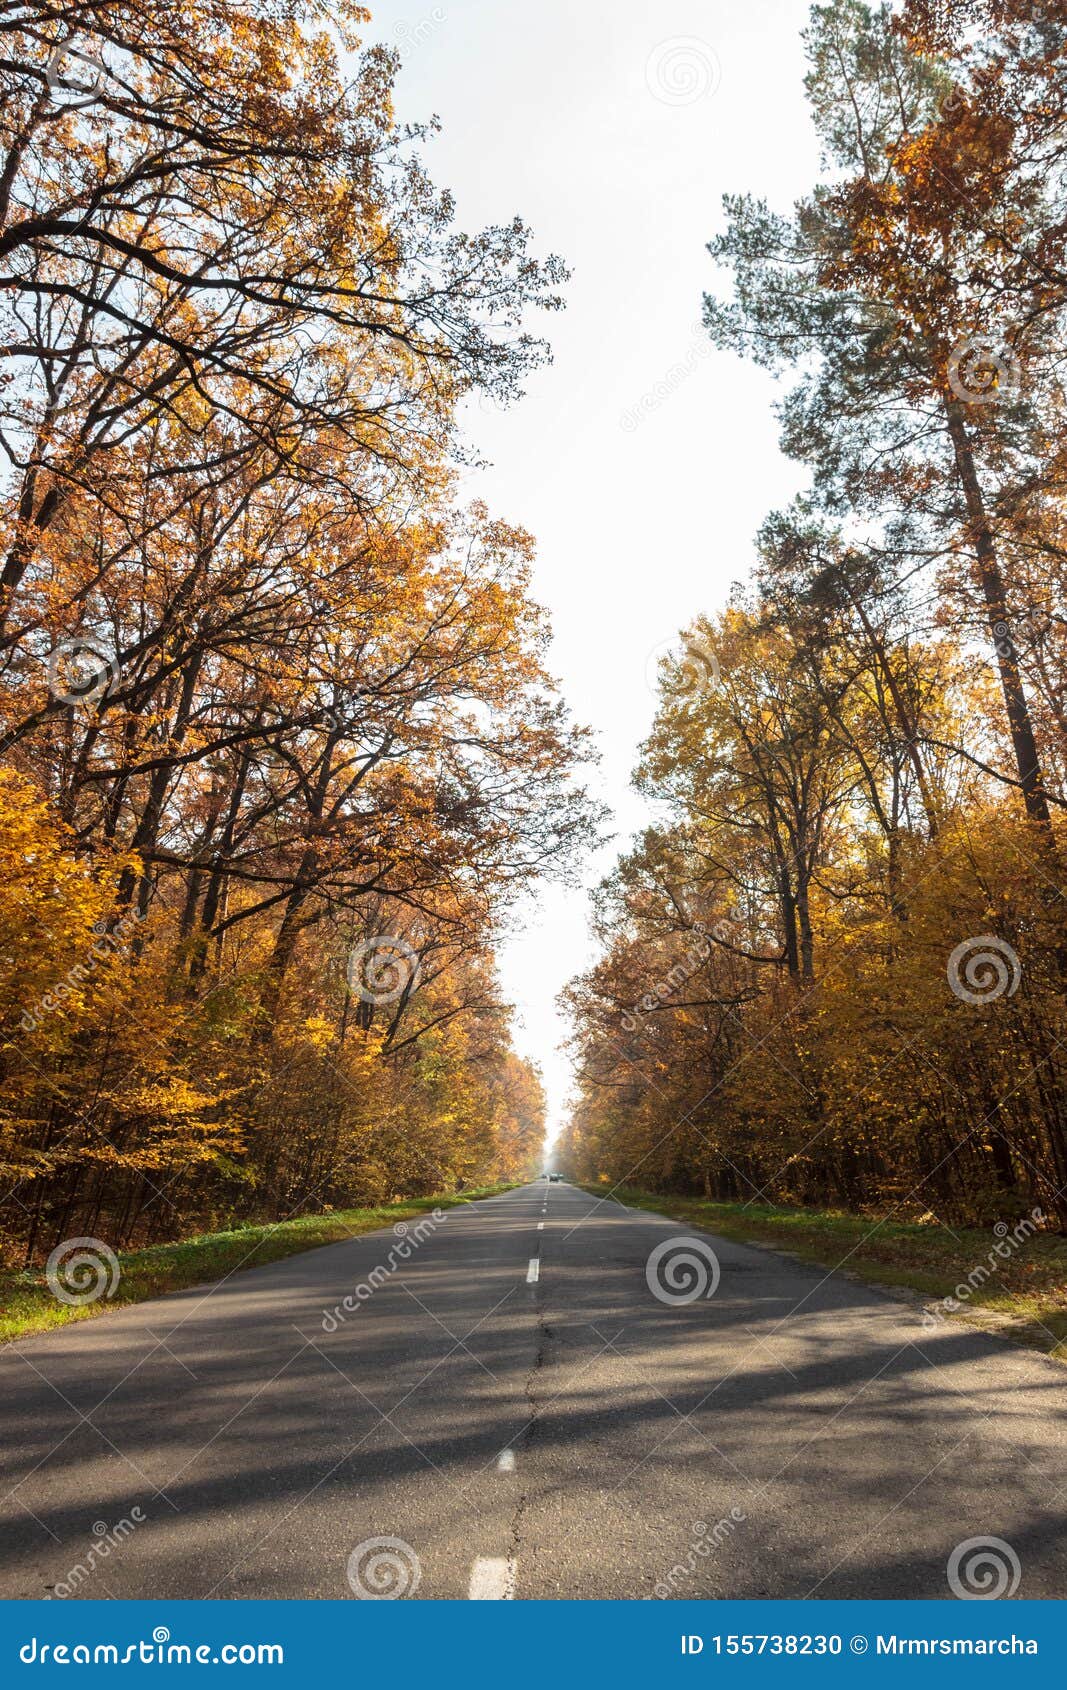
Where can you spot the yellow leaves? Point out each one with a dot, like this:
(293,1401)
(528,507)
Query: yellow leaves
(56,942)
(319,1032)
(326,680)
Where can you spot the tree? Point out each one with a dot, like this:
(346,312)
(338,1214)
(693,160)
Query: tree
(833,973)
(278,709)
(880,287)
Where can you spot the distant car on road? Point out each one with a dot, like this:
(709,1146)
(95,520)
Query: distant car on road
(554,1179)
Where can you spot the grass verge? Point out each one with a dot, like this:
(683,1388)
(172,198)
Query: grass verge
(27,1303)
(1024,1297)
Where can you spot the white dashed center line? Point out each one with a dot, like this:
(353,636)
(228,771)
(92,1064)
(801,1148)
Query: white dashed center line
(492,1580)
(533,1272)
(540,1226)
(505,1461)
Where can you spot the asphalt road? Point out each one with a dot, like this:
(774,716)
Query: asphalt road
(519,1411)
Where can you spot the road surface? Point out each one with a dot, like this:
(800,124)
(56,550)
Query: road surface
(516,1409)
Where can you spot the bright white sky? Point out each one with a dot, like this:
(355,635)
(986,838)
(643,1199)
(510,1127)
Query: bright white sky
(614,127)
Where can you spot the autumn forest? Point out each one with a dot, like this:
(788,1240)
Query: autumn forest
(282,748)
(279,743)
(832,972)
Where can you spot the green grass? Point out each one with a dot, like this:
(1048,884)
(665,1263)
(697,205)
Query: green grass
(1025,1300)
(28,1305)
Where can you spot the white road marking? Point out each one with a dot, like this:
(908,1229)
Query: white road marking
(492,1580)
(505,1461)
(540,1226)
(533,1272)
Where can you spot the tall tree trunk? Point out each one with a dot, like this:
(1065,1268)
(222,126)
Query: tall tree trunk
(293,921)
(991,581)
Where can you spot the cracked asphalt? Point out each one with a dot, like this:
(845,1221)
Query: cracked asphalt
(521,1432)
